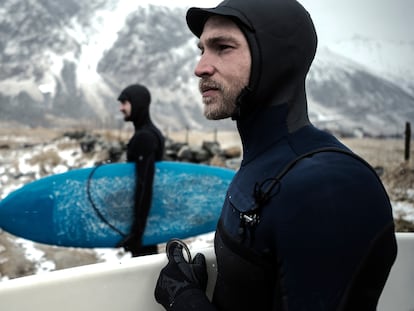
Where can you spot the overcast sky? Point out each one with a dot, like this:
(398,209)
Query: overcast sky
(342,19)
(378,19)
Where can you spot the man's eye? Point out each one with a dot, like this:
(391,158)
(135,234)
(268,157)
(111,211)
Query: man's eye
(223,47)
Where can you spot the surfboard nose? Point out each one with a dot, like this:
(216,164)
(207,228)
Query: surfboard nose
(24,212)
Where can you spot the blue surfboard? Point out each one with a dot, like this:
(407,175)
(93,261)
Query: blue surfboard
(93,207)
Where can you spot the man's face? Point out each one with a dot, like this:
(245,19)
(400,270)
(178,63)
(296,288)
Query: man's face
(125,108)
(224,66)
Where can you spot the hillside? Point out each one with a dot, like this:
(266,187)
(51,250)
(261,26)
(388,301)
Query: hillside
(64,64)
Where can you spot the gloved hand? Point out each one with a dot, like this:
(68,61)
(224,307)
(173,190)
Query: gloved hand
(179,276)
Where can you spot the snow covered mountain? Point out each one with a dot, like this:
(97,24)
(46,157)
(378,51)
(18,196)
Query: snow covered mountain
(64,63)
(353,99)
(41,59)
(392,60)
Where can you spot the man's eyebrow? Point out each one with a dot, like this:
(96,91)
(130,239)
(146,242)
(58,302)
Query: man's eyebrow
(215,40)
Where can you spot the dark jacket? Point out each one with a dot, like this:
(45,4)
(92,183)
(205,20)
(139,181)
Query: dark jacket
(321,235)
(144,148)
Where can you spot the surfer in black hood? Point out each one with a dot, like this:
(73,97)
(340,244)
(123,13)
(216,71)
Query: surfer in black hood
(306,224)
(144,148)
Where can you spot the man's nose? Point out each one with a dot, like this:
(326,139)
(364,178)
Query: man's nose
(204,67)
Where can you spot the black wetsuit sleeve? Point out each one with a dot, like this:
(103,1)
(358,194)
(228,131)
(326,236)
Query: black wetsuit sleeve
(142,150)
(366,288)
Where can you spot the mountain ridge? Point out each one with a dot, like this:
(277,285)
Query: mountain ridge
(73,72)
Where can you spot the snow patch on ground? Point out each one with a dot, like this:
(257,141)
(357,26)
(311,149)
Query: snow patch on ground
(42,265)
(404,210)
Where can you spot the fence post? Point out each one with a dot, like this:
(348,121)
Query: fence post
(187,135)
(407,141)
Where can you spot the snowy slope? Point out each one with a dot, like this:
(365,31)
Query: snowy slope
(393,60)
(64,64)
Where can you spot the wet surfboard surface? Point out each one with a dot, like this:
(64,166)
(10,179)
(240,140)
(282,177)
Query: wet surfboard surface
(93,207)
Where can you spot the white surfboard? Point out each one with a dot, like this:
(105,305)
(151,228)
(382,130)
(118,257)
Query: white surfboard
(129,285)
(398,294)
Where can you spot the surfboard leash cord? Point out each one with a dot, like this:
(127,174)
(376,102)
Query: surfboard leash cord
(95,208)
(171,244)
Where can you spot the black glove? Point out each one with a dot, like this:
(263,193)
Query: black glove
(179,276)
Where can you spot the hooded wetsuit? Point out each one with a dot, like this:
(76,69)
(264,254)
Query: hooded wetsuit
(144,148)
(316,235)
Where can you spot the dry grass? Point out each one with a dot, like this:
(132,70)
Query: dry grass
(49,157)
(378,152)
(18,136)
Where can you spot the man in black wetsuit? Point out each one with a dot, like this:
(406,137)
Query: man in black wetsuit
(144,148)
(306,224)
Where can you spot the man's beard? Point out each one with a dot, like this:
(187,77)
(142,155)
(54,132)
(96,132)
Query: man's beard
(223,104)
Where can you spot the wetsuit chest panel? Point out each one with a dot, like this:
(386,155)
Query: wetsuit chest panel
(305,228)
(246,279)
(252,176)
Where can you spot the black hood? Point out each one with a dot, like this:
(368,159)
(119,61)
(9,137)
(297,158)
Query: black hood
(282,41)
(140,99)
